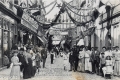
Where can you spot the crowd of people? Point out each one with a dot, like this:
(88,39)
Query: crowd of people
(27,60)
(104,63)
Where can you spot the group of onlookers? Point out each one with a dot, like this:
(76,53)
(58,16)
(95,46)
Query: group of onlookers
(26,60)
(105,63)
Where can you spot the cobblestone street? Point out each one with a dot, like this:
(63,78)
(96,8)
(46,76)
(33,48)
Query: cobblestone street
(56,72)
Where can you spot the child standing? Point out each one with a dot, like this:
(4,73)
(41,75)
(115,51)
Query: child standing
(38,59)
(102,64)
(109,69)
(65,60)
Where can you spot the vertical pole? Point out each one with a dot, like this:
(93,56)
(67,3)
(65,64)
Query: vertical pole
(2,42)
(9,49)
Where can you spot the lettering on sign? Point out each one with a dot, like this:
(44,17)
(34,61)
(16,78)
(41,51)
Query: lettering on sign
(30,20)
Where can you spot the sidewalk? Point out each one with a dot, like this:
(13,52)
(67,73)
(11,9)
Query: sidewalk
(4,74)
(56,72)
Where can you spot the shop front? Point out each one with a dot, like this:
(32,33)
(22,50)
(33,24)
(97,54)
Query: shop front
(7,38)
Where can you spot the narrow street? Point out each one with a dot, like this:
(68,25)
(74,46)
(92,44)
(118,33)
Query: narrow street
(56,72)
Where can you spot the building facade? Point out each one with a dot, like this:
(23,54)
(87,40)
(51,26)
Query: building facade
(12,32)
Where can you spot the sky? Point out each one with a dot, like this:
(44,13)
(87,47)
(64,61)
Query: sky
(55,11)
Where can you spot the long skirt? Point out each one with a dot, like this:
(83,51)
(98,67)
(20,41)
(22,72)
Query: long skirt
(15,72)
(107,70)
(117,68)
(80,65)
(88,65)
(28,70)
(83,64)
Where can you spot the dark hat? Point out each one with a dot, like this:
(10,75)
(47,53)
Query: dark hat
(92,47)
(82,46)
(95,47)
(103,47)
(28,47)
(102,53)
(113,47)
(21,49)
(116,46)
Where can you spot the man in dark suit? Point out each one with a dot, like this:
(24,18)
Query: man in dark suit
(97,60)
(75,55)
(44,55)
(71,60)
(92,58)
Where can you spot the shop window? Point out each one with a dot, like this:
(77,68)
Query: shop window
(0,23)
(0,43)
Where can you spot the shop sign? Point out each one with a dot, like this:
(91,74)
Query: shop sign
(64,33)
(29,20)
(56,38)
(28,25)
(54,32)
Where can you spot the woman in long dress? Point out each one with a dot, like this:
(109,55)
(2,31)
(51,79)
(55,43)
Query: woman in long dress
(27,73)
(117,62)
(15,71)
(82,54)
(65,58)
(88,64)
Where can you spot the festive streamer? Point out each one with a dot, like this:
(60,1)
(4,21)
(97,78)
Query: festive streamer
(51,9)
(75,22)
(34,8)
(83,3)
(75,12)
(47,26)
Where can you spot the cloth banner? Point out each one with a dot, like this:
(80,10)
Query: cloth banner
(81,42)
(90,31)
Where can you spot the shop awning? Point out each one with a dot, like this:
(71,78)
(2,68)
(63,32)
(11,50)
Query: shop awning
(55,42)
(8,12)
(42,39)
(80,42)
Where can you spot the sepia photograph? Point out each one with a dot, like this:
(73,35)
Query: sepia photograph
(59,40)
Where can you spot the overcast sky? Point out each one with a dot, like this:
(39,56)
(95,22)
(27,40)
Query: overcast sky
(51,15)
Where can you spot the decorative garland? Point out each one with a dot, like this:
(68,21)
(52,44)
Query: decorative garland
(75,22)
(72,6)
(51,9)
(34,8)
(74,12)
(47,26)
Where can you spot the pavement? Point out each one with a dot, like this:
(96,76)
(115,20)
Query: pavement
(56,72)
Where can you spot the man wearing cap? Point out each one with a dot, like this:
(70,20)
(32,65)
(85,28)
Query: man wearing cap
(95,59)
(92,56)
(44,55)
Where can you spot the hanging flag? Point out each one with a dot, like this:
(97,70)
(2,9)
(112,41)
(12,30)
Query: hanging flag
(89,32)
(35,5)
(83,3)
(19,11)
